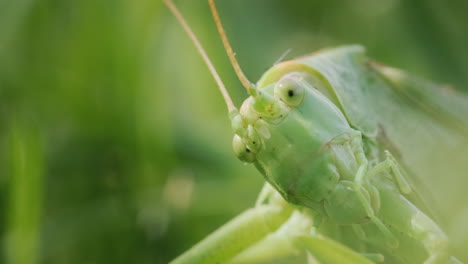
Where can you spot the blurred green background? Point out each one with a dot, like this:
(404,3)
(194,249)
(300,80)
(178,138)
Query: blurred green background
(115,143)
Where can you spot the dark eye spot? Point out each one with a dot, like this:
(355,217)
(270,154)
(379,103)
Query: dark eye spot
(290,93)
(254,142)
(248,150)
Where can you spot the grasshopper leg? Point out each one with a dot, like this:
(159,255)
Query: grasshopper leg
(359,232)
(240,233)
(266,194)
(392,164)
(358,186)
(389,237)
(291,243)
(325,250)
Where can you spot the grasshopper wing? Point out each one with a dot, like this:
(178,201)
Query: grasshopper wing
(425,125)
(430,130)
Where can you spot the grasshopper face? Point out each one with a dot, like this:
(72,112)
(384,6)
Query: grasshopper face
(284,131)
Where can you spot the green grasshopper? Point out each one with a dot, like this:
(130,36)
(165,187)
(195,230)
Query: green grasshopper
(325,132)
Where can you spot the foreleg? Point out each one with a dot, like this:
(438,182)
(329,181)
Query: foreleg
(397,172)
(237,235)
(361,179)
(293,243)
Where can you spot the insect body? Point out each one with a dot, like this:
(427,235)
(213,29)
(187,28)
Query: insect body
(311,155)
(306,148)
(304,129)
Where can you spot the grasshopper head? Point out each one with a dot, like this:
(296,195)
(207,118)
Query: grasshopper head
(269,106)
(283,130)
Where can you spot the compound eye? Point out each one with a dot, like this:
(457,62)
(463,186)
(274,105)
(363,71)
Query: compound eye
(290,90)
(243,152)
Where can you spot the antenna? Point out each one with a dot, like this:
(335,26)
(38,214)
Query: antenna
(202,52)
(245,82)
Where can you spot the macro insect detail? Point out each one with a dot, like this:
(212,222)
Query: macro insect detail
(306,149)
(337,190)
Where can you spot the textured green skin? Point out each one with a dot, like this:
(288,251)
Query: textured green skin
(245,230)
(347,79)
(419,122)
(276,232)
(393,112)
(295,150)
